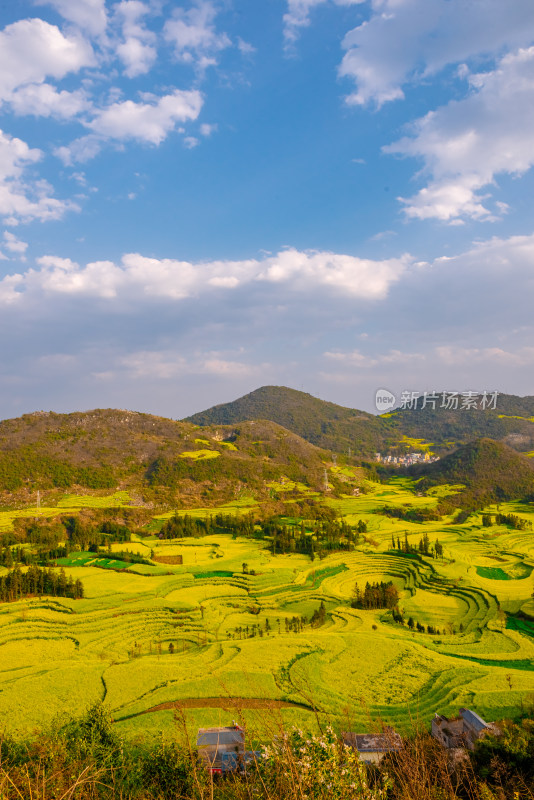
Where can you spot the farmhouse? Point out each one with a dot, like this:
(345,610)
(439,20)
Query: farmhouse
(462,731)
(216,744)
(372,747)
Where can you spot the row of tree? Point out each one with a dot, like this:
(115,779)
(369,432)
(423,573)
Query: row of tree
(376,595)
(424,547)
(313,537)
(16,584)
(511,520)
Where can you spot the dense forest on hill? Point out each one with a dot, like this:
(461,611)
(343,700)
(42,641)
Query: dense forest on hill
(337,428)
(164,460)
(490,471)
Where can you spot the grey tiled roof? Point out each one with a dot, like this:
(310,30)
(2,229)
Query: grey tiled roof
(473,719)
(219,736)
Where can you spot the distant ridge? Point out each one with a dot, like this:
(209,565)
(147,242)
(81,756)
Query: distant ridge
(337,428)
(324,424)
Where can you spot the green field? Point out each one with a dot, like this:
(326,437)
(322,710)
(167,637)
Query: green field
(151,637)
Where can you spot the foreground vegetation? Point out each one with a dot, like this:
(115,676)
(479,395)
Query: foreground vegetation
(84,758)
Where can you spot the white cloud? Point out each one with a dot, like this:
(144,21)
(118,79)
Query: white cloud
(298,15)
(13,244)
(63,276)
(139,278)
(194,36)
(355,358)
(87,14)
(8,289)
(245,48)
(137,56)
(148,122)
(406,40)
(142,320)
(170,364)
(31,49)
(359,277)
(80,150)
(22,199)
(137,52)
(44,100)
(460,356)
(466,143)
(207,130)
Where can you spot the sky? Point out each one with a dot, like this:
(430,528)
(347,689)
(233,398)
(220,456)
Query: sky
(200,198)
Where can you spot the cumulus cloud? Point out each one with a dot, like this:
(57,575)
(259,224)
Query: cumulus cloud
(44,100)
(13,244)
(80,150)
(32,49)
(298,15)
(352,322)
(137,56)
(407,40)
(138,278)
(468,142)
(149,121)
(90,15)
(22,199)
(137,50)
(194,36)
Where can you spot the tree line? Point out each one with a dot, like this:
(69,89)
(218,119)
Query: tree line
(383,594)
(16,584)
(423,547)
(511,520)
(315,537)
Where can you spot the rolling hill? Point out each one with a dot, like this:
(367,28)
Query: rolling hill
(337,428)
(490,471)
(164,460)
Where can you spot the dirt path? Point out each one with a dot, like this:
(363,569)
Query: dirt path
(226,703)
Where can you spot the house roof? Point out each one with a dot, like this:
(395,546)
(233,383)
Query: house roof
(373,742)
(207,737)
(473,719)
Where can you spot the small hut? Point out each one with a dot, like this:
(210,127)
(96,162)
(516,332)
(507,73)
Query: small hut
(461,731)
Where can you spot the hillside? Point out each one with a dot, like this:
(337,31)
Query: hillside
(325,424)
(490,471)
(337,428)
(164,460)
(512,422)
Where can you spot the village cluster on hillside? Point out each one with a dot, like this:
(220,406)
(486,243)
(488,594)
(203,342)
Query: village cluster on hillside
(407,459)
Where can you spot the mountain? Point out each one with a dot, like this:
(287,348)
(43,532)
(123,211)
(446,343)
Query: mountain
(490,471)
(512,421)
(163,461)
(325,424)
(337,428)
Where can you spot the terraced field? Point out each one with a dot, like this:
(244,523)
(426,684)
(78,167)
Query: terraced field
(217,637)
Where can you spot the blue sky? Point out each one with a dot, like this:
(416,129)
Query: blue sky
(199,198)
